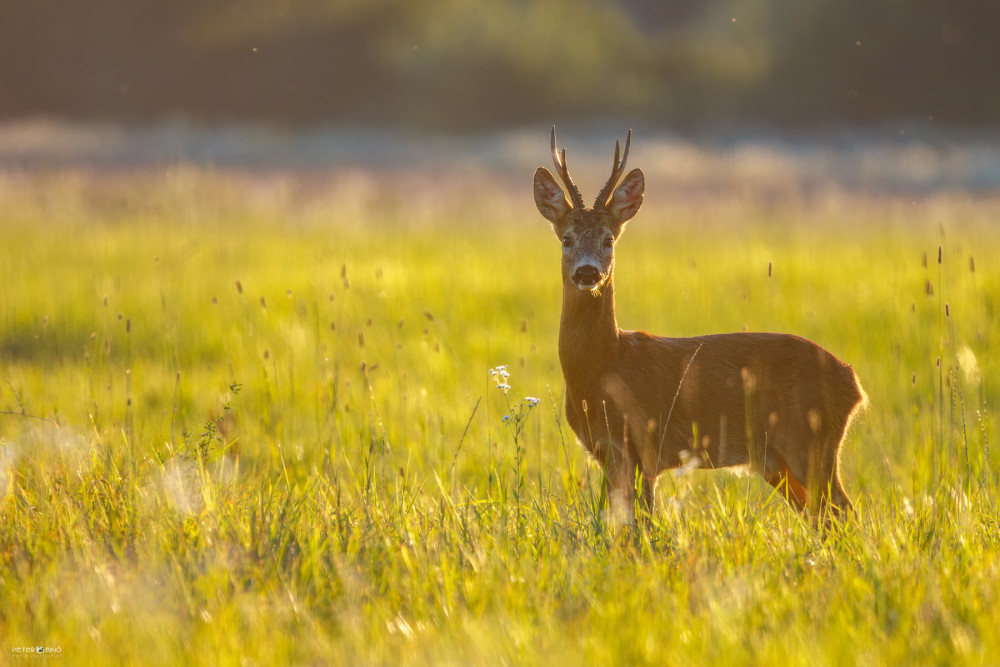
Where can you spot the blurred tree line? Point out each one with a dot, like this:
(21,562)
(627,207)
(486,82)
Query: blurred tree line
(464,65)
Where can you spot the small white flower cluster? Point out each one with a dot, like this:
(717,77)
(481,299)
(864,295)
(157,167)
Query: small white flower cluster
(519,411)
(500,375)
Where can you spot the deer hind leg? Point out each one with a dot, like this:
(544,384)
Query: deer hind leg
(779,475)
(818,475)
(832,496)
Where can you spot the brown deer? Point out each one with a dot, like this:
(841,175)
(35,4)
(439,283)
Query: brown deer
(641,404)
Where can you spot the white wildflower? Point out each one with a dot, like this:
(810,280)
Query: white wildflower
(500,374)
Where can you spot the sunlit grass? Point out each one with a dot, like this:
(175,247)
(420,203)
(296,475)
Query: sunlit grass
(241,426)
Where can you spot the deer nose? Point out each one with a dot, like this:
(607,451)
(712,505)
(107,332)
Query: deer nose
(586,276)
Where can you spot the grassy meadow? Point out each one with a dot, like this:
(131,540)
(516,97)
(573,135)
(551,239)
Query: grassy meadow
(247,419)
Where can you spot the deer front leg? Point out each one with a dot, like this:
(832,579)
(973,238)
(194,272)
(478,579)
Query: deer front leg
(628,488)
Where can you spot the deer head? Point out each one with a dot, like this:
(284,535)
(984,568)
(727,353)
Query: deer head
(588,235)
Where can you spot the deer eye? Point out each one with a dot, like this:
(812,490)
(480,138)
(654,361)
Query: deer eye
(567,241)
(609,242)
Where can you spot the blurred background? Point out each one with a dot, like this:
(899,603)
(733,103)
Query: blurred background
(453,65)
(320,81)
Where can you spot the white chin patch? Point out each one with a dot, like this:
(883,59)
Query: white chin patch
(586,287)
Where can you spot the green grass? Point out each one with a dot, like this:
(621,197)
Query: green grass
(311,467)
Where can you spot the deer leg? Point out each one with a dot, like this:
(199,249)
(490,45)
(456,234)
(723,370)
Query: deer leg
(622,469)
(643,483)
(823,494)
(832,495)
(646,494)
(824,475)
(780,477)
(838,500)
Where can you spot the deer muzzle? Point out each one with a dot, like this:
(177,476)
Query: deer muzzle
(587,277)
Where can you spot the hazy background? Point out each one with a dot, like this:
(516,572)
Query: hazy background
(455,65)
(873,94)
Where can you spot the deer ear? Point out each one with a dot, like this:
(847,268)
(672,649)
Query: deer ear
(627,199)
(549,197)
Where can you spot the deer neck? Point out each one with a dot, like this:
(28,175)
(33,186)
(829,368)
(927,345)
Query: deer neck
(588,332)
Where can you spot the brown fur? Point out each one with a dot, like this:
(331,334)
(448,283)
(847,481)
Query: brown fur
(641,404)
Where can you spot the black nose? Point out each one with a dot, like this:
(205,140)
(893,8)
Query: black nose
(587,275)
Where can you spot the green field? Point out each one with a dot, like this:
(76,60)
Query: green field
(247,419)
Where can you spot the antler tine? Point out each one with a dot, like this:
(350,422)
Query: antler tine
(617,168)
(560,161)
(628,142)
(555,150)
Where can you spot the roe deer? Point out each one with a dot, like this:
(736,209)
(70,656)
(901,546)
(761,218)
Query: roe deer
(641,403)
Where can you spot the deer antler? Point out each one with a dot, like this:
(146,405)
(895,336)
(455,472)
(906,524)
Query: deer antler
(560,162)
(617,168)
